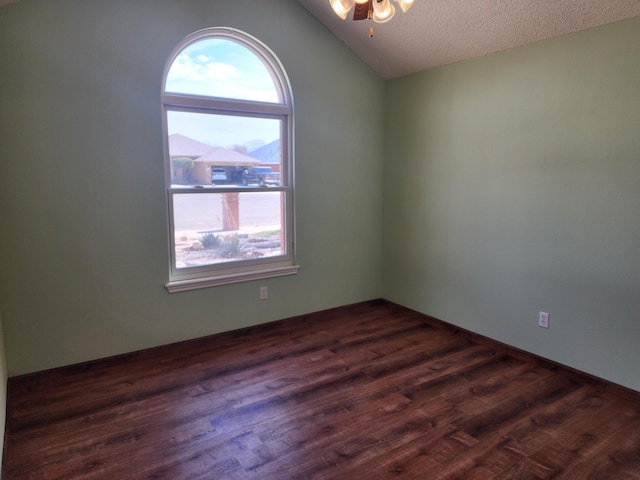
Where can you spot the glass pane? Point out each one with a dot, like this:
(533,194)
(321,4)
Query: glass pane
(216,67)
(208,149)
(212,228)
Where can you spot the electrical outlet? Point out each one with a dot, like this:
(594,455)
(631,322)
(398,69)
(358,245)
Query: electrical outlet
(543,320)
(264,293)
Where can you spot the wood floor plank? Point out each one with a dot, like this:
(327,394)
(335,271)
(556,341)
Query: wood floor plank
(370,391)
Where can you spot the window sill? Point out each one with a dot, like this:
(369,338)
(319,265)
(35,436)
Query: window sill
(206,282)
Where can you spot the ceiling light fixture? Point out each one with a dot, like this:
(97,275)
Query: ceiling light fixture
(379,11)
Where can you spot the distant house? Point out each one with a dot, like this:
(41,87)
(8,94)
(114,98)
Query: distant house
(205,158)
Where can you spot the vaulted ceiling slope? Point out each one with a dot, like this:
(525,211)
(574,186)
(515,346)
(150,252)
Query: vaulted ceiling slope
(439,32)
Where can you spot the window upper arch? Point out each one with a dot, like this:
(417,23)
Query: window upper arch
(224,63)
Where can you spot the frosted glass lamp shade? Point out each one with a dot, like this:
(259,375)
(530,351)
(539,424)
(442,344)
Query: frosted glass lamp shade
(342,7)
(405,4)
(383,11)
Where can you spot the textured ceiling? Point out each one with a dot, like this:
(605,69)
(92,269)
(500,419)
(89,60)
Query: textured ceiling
(438,32)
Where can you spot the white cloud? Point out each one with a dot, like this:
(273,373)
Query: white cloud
(201,68)
(219,71)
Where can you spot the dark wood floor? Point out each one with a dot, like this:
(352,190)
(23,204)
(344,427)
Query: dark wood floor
(364,392)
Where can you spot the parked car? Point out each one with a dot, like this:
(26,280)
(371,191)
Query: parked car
(218,175)
(263,176)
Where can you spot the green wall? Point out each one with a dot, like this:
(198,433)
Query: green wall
(512,185)
(83,250)
(3,394)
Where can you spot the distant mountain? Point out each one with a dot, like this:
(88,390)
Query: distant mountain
(268,154)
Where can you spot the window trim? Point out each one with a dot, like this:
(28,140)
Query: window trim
(243,270)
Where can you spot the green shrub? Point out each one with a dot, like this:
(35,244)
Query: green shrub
(182,163)
(231,247)
(209,240)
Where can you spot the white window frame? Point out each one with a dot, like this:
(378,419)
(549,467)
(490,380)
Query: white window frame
(181,279)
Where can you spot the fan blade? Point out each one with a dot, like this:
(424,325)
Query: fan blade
(362,10)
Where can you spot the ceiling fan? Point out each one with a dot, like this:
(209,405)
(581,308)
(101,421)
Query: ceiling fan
(379,11)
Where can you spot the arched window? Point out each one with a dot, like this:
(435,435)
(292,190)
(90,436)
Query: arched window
(228,142)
